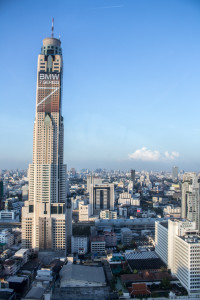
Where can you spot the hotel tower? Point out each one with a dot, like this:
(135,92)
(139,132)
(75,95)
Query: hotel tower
(44,214)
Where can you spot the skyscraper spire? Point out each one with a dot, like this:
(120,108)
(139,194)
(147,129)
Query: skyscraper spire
(52,28)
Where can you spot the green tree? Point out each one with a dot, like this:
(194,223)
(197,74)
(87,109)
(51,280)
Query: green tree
(165,283)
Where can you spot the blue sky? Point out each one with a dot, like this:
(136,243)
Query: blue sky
(131,92)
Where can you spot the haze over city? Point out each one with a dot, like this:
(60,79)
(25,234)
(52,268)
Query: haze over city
(130,85)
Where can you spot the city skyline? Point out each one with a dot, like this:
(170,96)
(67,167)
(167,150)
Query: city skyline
(130,90)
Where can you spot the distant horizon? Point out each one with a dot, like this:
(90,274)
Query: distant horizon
(92,169)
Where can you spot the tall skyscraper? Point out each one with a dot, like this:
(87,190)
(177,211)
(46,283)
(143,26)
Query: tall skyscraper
(1,194)
(44,214)
(133,176)
(174,173)
(190,204)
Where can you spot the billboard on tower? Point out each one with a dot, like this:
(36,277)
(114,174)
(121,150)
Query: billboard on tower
(48,92)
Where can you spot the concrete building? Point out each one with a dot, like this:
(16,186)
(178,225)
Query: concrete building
(133,176)
(79,242)
(161,240)
(76,276)
(98,244)
(92,180)
(11,267)
(171,211)
(23,254)
(68,226)
(110,239)
(126,236)
(1,193)
(190,205)
(123,212)
(108,214)
(136,224)
(101,197)
(85,211)
(6,237)
(25,192)
(178,245)
(6,215)
(124,198)
(174,173)
(44,214)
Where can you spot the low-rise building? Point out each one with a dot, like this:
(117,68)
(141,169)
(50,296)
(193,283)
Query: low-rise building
(126,236)
(108,214)
(6,237)
(8,215)
(23,254)
(79,242)
(98,244)
(85,211)
(73,275)
(110,239)
(11,267)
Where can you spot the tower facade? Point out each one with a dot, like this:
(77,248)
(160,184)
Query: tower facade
(44,214)
(190,204)
(101,197)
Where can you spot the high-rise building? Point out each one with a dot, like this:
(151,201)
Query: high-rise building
(1,194)
(178,245)
(133,176)
(101,197)
(44,214)
(174,173)
(93,180)
(190,206)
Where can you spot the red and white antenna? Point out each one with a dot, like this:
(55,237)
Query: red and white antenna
(52,28)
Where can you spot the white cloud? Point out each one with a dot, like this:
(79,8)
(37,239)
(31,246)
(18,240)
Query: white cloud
(145,154)
(152,155)
(171,155)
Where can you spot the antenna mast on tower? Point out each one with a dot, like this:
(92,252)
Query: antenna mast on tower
(52,28)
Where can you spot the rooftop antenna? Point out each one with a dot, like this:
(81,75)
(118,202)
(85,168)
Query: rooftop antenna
(52,28)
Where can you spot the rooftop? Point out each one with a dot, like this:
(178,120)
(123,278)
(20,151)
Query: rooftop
(97,239)
(35,293)
(79,273)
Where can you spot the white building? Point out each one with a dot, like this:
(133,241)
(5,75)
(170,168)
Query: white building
(179,247)
(23,254)
(108,214)
(85,211)
(161,240)
(6,238)
(124,198)
(174,211)
(79,242)
(190,205)
(8,215)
